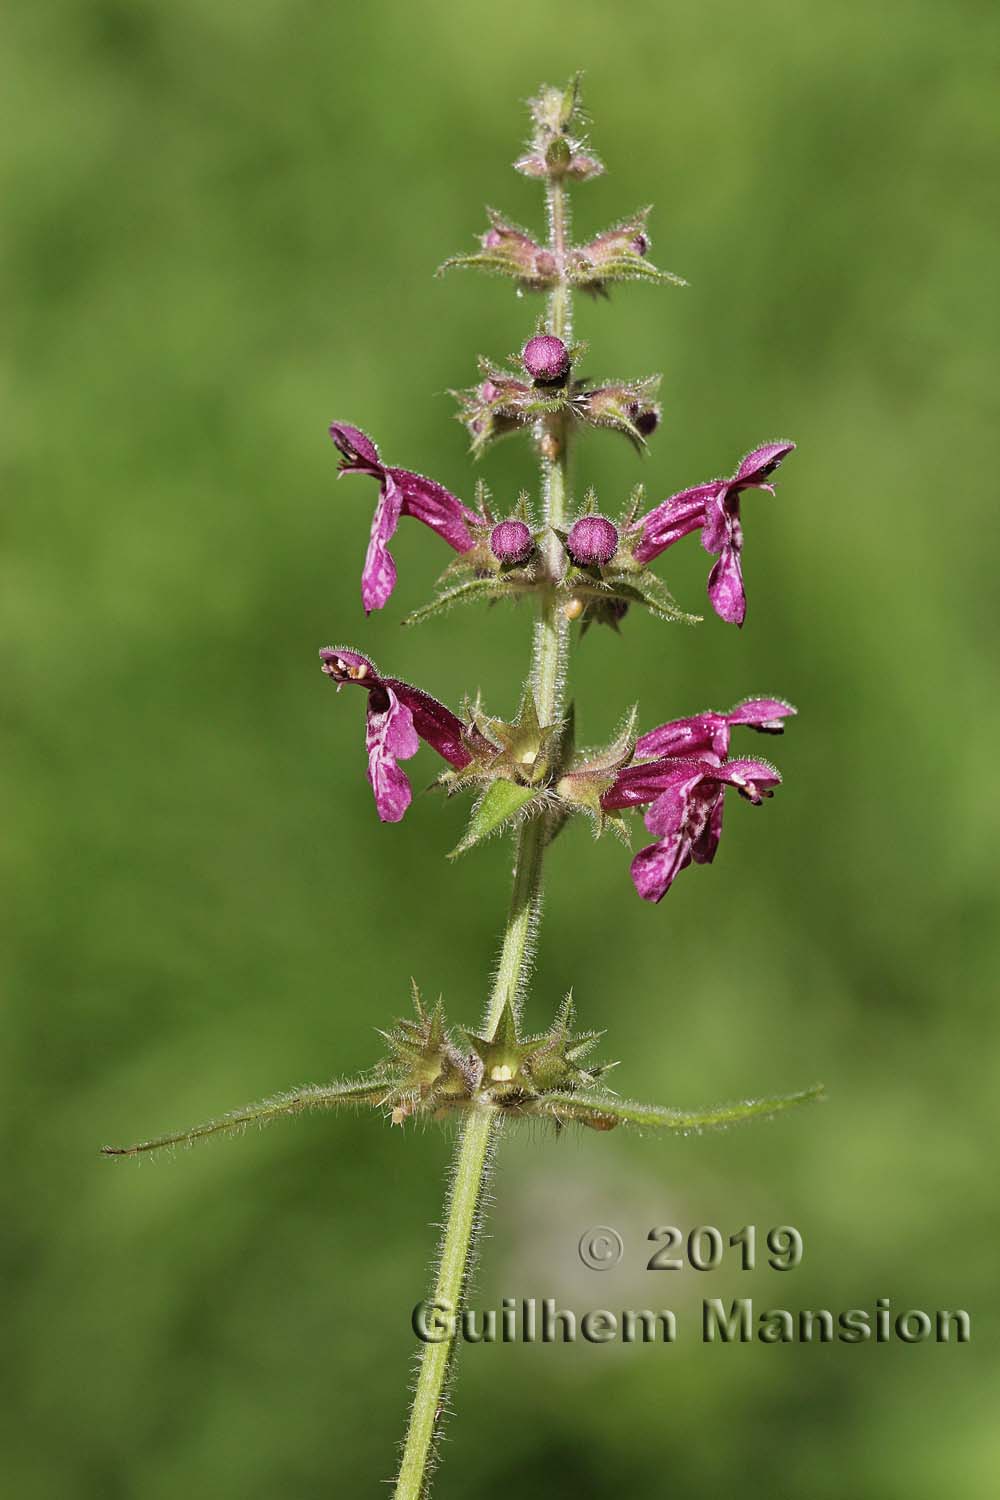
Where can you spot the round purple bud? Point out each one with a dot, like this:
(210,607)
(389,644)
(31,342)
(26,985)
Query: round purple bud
(640,244)
(592,541)
(546,357)
(646,420)
(511,542)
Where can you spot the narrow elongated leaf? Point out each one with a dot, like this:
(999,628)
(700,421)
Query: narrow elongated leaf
(604,1111)
(367,1090)
(501,801)
(625,268)
(463,593)
(496,265)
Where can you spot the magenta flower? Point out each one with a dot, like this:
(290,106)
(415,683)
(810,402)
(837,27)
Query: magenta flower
(399,717)
(685,813)
(714,509)
(400,494)
(707,735)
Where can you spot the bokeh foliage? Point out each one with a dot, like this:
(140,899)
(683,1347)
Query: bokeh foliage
(220,227)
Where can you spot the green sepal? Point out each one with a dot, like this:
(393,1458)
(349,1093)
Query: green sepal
(581,788)
(632,508)
(422,1071)
(526,748)
(553,1063)
(501,802)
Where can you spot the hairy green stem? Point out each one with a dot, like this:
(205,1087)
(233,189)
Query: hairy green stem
(475,1148)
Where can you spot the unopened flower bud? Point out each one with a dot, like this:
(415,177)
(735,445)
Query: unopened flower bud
(546,358)
(629,407)
(582,167)
(626,240)
(512,250)
(511,542)
(592,541)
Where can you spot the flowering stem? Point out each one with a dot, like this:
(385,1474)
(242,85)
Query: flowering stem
(475,1149)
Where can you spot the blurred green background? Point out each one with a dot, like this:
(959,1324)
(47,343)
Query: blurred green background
(220,228)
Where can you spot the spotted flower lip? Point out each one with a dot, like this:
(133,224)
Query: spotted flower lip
(401,493)
(686,798)
(708,733)
(714,509)
(399,717)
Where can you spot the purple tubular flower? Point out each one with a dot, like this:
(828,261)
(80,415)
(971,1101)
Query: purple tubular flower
(399,717)
(686,803)
(714,509)
(401,494)
(708,733)
(592,541)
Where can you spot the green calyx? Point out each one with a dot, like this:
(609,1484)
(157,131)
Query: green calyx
(422,1070)
(517,1071)
(427,1072)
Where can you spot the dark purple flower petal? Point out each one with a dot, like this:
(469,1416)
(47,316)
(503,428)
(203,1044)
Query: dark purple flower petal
(704,847)
(443,512)
(390,737)
(721,512)
(725,587)
(358,450)
(761,463)
(637,784)
(655,868)
(763,714)
(434,723)
(683,806)
(378,576)
(753,779)
(706,733)
(674,518)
